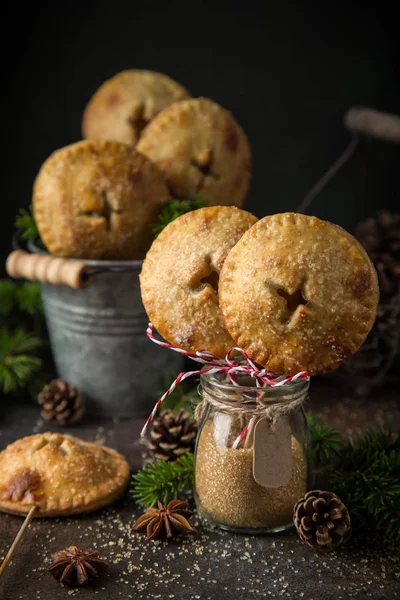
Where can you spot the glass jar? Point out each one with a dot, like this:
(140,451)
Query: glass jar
(251,457)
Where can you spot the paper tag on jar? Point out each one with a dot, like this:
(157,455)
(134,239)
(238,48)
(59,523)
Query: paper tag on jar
(272,458)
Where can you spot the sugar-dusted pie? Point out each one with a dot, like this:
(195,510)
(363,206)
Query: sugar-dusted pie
(98,199)
(202,151)
(124,104)
(60,474)
(179,278)
(298,294)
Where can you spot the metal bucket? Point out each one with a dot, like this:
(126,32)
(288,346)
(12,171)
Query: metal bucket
(99,343)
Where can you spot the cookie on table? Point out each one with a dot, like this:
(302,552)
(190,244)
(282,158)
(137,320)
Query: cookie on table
(179,278)
(97,200)
(298,294)
(59,474)
(126,103)
(202,151)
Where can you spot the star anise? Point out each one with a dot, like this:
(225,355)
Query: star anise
(76,567)
(165,521)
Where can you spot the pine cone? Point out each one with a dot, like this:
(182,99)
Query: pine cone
(380,237)
(172,435)
(322,520)
(374,361)
(61,402)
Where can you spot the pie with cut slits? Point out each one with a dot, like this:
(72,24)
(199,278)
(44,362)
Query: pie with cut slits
(298,294)
(179,278)
(60,474)
(202,151)
(123,105)
(97,200)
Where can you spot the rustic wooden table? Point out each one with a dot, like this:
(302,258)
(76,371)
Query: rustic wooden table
(213,564)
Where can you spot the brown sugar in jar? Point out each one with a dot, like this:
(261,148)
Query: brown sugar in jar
(230,490)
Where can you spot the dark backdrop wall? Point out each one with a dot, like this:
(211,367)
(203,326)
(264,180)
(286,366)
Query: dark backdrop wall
(286,72)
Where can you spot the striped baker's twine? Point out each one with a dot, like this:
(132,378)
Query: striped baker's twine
(213,365)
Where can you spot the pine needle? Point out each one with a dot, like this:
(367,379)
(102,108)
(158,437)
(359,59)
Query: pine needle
(163,480)
(29,298)
(367,479)
(173,209)
(25,222)
(181,397)
(24,297)
(325,442)
(8,290)
(18,364)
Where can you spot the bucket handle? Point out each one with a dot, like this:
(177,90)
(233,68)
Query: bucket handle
(47,269)
(377,124)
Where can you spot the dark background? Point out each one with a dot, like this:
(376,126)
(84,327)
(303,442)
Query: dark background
(287,72)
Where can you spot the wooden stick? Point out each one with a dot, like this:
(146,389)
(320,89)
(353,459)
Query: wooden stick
(18,537)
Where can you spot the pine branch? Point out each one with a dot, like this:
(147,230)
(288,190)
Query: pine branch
(18,300)
(29,298)
(25,222)
(181,397)
(367,479)
(325,442)
(18,364)
(173,209)
(162,480)
(8,290)
(21,325)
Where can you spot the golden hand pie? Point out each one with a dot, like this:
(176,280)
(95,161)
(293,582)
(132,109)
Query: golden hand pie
(60,474)
(124,104)
(179,277)
(298,294)
(202,151)
(97,199)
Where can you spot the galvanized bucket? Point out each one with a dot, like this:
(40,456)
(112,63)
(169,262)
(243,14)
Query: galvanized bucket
(98,336)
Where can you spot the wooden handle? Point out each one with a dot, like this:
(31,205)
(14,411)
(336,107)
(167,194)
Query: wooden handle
(375,123)
(47,269)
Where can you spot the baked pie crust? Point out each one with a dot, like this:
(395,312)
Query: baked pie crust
(201,150)
(179,277)
(97,200)
(298,294)
(124,104)
(60,474)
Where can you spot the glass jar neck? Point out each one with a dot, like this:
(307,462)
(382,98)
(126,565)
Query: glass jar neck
(222,390)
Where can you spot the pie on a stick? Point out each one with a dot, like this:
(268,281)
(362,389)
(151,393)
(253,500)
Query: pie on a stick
(298,294)
(60,474)
(179,278)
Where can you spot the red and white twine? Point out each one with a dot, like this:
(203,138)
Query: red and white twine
(213,365)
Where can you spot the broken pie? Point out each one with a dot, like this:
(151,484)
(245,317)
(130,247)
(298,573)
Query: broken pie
(60,474)
(201,150)
(97,200)
(298,294)
(126,103)
(179,278)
